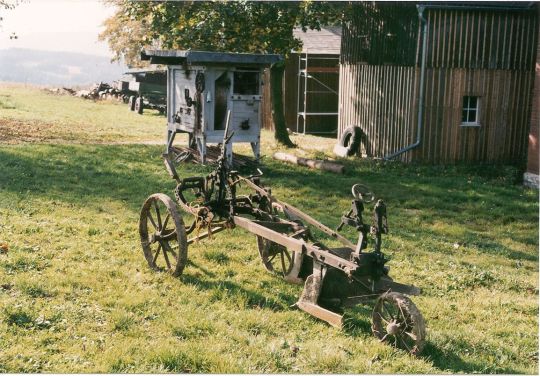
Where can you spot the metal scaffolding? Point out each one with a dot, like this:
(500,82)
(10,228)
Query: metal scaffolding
(307,73)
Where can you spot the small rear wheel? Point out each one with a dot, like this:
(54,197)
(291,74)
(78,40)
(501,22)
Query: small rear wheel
(277,258)
(274,257)
(163,234)
(396,320)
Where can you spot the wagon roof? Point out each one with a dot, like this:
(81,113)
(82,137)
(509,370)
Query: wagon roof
(207,57)
(145,70)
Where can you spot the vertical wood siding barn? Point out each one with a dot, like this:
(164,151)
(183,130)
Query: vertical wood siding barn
(531,177)
(477,84)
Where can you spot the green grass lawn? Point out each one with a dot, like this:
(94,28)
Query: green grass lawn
(76,294)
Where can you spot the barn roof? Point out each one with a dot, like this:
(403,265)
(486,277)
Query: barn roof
(207,57)
(326,41)
(485,5)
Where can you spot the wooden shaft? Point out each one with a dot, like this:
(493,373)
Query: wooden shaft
(297,245)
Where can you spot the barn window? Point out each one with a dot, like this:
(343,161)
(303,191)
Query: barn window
(470,115)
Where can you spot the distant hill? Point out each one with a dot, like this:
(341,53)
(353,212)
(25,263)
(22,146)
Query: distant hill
(56,68)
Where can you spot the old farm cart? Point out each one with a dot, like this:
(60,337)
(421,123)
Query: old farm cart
(333,278)
(203,86)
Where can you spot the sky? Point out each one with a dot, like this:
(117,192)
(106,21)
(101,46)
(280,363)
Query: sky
(56,25)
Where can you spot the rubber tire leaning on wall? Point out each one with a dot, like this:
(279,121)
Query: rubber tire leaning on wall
(351,139)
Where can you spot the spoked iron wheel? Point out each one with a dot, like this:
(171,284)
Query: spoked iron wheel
(163,234)
(397,321)
(276,257)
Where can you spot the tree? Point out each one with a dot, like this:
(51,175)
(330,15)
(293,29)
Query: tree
(7,5)
(235,26)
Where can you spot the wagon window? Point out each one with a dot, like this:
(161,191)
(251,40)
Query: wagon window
(246,83)
(470,114)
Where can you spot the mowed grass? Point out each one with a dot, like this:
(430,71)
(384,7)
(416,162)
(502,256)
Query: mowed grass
(77,296)
(30,114)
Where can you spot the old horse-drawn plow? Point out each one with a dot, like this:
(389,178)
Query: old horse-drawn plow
(333,278)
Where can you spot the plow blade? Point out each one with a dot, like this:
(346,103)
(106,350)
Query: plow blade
(334,319)
(310,296)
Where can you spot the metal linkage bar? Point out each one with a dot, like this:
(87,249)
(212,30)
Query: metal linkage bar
(297,245)
(296,213)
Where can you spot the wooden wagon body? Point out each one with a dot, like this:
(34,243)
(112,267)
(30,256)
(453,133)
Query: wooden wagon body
(202,87)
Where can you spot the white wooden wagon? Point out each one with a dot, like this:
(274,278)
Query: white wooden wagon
(203,86)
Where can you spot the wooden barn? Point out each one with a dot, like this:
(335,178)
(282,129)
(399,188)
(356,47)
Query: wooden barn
(440,82)
(531,177)
(310,84)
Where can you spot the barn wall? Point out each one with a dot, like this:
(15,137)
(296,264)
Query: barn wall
(490,54)
(481,39)
(504,121)
(381,100)
(531,176)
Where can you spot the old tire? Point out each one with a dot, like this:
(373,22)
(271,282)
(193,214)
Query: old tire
(139,105)
(163,234)
(131,103)
(396,320)
(350,139)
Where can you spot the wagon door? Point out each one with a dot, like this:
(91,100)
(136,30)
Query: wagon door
(246,100)
(181,111)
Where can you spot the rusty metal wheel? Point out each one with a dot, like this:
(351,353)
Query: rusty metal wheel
(396,320)
(275,257)
(163,234)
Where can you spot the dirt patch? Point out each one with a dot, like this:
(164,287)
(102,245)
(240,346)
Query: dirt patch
(18,131)
(14,131)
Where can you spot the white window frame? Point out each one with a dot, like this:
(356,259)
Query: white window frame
(477,108)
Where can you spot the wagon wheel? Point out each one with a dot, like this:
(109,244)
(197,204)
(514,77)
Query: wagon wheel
(163,234)
(396,320)
(139,105)
(275,257)
(278,258)
(131,103)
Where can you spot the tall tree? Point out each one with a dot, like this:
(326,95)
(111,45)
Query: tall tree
(6,5)
(235,26)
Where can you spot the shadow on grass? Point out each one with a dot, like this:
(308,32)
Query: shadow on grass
(208,273)
(84,175)
(88,175)
(358,323)
(448,361)
(230,291)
